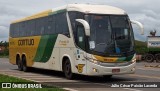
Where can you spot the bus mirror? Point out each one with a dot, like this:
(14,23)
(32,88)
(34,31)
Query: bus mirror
(140,25)
(86,26)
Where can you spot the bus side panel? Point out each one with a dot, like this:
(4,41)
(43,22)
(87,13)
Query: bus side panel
(62,46)
(80,62)
(47,55)
(24,45)
(75,55)
(66,47)
(12,51)
(52,63)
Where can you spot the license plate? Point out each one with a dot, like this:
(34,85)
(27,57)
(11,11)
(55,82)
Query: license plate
(115,70)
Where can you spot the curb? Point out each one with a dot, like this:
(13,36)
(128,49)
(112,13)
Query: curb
(152,66)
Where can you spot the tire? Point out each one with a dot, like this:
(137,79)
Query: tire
(25,68)
(107,77)
(149,58)
(157,58)
(19,64)
(67,69)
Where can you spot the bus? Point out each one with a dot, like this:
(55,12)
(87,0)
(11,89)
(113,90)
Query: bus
(86,39)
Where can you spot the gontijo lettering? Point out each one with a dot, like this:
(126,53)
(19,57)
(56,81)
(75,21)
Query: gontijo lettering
(25,42)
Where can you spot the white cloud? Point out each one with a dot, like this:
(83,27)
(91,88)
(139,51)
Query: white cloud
(145,11)
(150,22)
(4,35)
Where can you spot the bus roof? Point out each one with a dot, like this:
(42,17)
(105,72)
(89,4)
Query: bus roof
(85,8)
(42,14)
(96,9)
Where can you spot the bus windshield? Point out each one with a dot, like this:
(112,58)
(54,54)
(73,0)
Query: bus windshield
(110,33)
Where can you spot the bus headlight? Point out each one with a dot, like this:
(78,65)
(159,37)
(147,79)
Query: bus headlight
(94,61)
(133,60)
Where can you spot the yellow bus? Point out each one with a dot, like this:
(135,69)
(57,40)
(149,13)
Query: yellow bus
(82,39)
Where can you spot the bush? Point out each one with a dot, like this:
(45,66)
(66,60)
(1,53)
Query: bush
(141,50)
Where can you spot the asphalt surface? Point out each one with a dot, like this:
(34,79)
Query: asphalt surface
(86,83)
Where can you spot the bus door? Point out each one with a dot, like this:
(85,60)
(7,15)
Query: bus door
(81,46)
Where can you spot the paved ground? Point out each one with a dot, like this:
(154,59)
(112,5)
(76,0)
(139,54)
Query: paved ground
(86,83)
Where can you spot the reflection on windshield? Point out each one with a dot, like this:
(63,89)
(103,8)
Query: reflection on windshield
(110,32)
(122,33)
(121,27)
(100,32)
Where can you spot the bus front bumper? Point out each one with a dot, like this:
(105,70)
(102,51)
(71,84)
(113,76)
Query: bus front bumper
(95,69)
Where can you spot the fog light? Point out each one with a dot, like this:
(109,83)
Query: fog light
(95,70)
(133,60)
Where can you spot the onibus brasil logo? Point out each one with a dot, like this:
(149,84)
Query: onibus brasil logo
(21,85)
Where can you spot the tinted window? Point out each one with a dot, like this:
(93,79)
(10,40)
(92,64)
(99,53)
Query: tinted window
(31,28)
(61,23)
(16,32)
(73,16)
(40,26)
(52,24)
(50,28)
(80,40)
(24,28)
(12,29)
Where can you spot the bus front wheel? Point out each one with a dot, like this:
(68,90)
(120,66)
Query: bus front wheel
(67,69)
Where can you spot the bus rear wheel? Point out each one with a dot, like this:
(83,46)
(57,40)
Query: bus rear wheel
(67,69)
(19,64)
(25,68)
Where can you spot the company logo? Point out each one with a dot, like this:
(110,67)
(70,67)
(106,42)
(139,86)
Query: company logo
(154,43)
(65,42)
(21,85)
(6,85)
(80,67)
(24,42)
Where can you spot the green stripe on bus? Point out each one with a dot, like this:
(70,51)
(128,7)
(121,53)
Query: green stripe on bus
(56,12)
(121,59)
(41,48)
(45,48)
(124,59)
(49,48)
(129,58)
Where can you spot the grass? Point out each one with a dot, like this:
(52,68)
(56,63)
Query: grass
(140,43)
(141,47)
(5,78)
(8,79)
(4,56)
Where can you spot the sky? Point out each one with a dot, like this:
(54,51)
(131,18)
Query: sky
(145,11)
